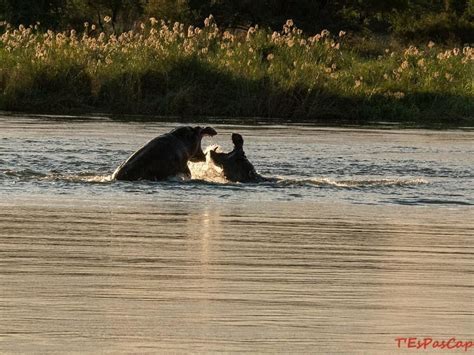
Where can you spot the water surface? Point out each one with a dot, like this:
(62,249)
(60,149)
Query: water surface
(365,236)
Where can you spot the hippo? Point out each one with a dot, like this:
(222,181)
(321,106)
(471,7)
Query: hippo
(235,165)
(165,156)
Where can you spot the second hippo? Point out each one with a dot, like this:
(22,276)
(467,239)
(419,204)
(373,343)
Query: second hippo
(235,165)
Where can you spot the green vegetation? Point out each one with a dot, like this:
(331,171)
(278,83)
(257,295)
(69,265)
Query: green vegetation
(166,68)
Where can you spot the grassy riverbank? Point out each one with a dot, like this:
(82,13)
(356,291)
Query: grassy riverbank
(165,69)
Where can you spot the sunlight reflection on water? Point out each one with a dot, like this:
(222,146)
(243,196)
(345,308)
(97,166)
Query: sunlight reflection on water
(364,236)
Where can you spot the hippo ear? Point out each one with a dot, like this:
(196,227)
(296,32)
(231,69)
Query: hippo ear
(208,131)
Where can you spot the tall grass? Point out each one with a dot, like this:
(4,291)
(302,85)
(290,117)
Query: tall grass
(162,68)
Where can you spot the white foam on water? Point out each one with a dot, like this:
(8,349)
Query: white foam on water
(208,171)
(351,183)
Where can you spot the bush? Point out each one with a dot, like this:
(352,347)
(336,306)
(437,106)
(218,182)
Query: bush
(170,69)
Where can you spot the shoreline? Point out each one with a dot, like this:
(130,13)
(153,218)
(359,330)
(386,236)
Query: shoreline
(467,125)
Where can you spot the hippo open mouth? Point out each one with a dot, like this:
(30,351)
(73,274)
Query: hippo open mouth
(199,156)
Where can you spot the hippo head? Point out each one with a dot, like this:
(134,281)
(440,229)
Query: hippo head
(235,164)
(191,137)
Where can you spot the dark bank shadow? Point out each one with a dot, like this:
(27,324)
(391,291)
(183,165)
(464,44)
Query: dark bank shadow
(52,89)
(192,88)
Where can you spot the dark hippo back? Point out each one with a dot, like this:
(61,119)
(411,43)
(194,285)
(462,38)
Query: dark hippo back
(165,156)
(156,160)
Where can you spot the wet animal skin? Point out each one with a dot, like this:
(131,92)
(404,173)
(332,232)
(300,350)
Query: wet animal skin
(235,165)
(165,156)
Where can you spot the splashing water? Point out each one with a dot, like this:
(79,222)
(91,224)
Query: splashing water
(31,175)
(345,183)
(208,171)
(298,163)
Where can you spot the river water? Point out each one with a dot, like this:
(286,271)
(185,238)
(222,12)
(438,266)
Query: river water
(364,236)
